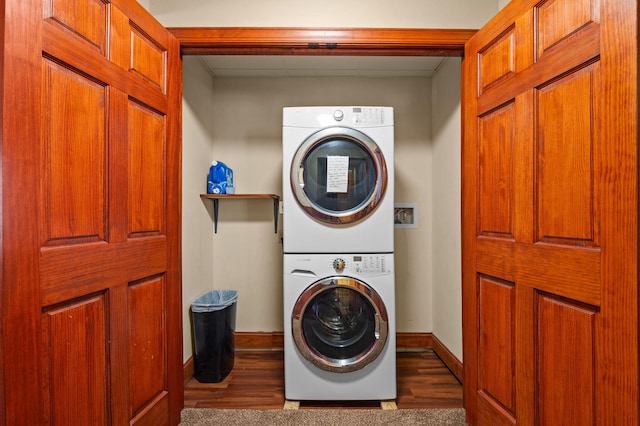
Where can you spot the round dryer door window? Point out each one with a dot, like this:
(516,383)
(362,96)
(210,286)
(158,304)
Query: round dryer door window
(340,324)
(338,175)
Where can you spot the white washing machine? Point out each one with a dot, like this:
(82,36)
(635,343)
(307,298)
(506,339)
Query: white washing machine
(339,327)
(338,179)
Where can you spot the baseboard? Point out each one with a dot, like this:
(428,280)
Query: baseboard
(413,341)
(404,341)
(189,370)
(260,340)
(448,358)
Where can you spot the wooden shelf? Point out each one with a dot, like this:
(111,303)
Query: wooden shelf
(217,197)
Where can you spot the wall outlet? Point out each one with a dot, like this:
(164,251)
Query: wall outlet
(405,215)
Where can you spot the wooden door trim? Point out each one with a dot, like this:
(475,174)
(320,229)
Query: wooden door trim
(174,234)
(321,41)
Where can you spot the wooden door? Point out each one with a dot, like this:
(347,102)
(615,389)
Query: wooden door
(550,215)
(90,314)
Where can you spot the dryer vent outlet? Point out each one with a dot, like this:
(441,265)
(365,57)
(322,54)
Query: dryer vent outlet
(405,215)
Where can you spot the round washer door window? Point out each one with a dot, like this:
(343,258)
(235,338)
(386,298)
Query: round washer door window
(338,175)
(340,324)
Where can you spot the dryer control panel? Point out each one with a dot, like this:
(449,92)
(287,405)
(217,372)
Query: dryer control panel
(367,115)
(360,115)
(329,116)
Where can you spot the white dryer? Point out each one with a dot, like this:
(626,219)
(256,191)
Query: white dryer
(338,188)
(339,327)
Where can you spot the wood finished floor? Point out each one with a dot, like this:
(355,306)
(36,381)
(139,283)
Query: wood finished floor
(257,381)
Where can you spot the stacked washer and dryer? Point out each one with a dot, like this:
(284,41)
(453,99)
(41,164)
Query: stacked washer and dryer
(339,280)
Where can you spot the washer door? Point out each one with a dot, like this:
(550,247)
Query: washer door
(338,175)
(339,324)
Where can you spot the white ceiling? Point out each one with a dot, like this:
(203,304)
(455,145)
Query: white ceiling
(307,66)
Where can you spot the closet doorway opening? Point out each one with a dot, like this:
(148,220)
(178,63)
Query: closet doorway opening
(294,52)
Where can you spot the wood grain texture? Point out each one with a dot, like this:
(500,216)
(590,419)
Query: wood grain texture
(257,382)
(564,160)
(496,348)
(569,271)
(469,206)
(70,330)
(566,360)
(573,258)
(86,20)
(65,251)
(74,157)
(21,399)
(491,413)
(617,390)
(448,358)
(404,342)
(497,60)
(314,41)
(147,170)
(496,172)
(147,59)
(174,228)
(147,349)
(554,25)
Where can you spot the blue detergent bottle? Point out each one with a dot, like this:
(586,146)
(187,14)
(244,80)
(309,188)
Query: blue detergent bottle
(220,178)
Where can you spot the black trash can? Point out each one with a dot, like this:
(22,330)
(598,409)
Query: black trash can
(213,317)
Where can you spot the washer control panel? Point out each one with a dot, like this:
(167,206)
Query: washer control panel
(363,264)
(369,264)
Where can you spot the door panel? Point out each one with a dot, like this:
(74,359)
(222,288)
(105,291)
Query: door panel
(559,19)
(100,157)
(147,348)
(496,330)
(147,59)
(74,149)
(550,216)
(496,182)
(566,337)
(147,165)
(564,163)
(85,19)
(496,61)
(79,377)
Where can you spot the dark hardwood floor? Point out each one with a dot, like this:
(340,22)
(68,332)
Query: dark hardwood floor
(257,381)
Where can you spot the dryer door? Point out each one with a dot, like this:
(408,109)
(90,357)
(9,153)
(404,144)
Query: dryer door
(340,324)
(338,175)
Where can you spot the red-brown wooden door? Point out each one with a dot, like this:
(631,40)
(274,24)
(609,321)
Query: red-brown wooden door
(90,301)
(550,215)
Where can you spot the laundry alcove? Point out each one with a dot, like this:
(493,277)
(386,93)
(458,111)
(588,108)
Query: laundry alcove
(387,52)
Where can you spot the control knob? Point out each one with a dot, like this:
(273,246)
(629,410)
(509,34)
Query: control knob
(339,264)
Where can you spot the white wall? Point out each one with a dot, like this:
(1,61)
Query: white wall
(144,3)
(446,260)
(326,13)
(197,225)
